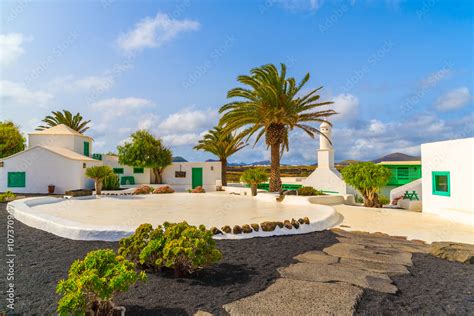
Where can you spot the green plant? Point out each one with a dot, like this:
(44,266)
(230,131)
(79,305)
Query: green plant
(7,196)
(367,178)
(222,144)
(99,173)
(65,117)
(11,140)
(358,198)
(383,199)
(144,150)
(111,182)
(181,247)
(253,177)
(93,282)
(308,191)
(272,105)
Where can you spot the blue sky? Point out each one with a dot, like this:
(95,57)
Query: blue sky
(399,72)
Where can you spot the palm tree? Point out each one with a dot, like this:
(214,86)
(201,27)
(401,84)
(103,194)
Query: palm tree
(271,107)
(98,174)
(254,177)
(221,144)
(65,117)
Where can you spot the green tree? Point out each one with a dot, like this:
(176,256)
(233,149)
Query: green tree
(65,117)
(146,151)
(253,177)
(99,173)
(221,144)
(272,105)
(11,140)
(367,178)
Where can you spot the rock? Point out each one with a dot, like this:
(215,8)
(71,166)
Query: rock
(255,227)
(226,229)
(163,190)
(452,251)
(316,257)
(80,192)
(379,267)
(202,313)
(143,189)
(295,223)
(237,230)
(301,221)
(295,297)
(306,220)
(246,229)
(268,226)
(215,231)
(337,273)
(279,224)
(287,224)
(198,189)
(290,192)
(402,245)
(377,254)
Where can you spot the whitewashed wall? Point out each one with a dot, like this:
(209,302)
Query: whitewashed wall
(211,172)
(71,142)
(140,178)
(455,156)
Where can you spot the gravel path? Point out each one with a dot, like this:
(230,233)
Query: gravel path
(434,286)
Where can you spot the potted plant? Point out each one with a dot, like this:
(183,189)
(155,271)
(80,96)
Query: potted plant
(51,188)
(253,177)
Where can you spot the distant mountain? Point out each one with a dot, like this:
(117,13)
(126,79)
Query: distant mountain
(396,157)
(346,162)
(212,160)
(179,159)
(255,163)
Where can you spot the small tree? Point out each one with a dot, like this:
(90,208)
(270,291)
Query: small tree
(11,140)
(99,173)
(367,178)
(253,177)
(146,151)
(93,282)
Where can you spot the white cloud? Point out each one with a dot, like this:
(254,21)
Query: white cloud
(115,107)
(453,99)
(376,127)
(346,105)
(154,32)
(181,139)
(11,47)
(13,93)
(189,120)
(70,83)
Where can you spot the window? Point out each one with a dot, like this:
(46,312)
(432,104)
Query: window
(138,170)
(180,174)
(16,180)
(86,149)
(118,170)
(441,183)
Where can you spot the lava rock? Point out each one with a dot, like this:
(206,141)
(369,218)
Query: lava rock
(246,229)
(226,229)
(255,227)
(237,230)
(268,226)
(279,224)
(290,192)
(452,251)
(215,231)
(287,224)
(295,223)
(301,221)
(306,220)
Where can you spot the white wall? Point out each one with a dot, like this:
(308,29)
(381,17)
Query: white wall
(71,142)
(326,179)
(43,168)
(140,178)
(455,156)
(211,172)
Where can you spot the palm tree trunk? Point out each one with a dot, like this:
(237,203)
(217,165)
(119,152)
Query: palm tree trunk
(98,187)
(157,173)
(275,181)
(223,171)
(253,188)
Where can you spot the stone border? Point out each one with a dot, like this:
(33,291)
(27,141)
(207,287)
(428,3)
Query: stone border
(22,211)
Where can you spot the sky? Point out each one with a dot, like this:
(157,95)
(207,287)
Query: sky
(400,73)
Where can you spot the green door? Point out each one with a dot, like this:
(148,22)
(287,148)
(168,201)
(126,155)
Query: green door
(16,180)
(196,177)
(86,149)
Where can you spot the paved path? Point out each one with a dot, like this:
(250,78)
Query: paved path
(332,281)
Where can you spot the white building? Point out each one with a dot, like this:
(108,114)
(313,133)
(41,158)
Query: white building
(448,179)
(326,177)
(59,156)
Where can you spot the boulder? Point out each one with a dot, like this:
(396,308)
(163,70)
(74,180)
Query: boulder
(268,226)
(255,227)
(306,220)
(215,231)
(287,224)
(80,192)
(163,190)
(301,221)
(226,229)
(279,224)
(451,251)
(198,189)
(295,223)
(290,192)
(246,229)
(237,230)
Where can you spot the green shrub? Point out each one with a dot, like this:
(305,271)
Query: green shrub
(7,196)
(111,182)
(383,199)
(93,282)
(181,247)
(308,191)
(358,198)
(254,177)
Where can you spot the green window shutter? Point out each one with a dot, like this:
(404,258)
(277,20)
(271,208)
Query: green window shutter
(118,170)
(16,180)
(441,183)
(86,149)
(138,170)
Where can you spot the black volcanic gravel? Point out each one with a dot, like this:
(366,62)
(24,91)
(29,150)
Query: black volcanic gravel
(435,286)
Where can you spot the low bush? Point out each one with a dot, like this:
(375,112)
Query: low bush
(308,191)
(93,282)
(198,189)
(7,196)
(383,199)
(180,247)
(163,190)
(143,189)
(111,182)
